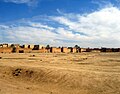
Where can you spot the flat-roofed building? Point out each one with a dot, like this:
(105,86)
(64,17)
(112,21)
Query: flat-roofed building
(64,49)
(41,46)
(1,46)
(44,50)
(82,49)
(6,50)
(55,50)
(31,46)
(14,45)
(69,49)
(17,45)
(95,50)
(115,49)
(25,46)
(37,47)
(9,45)
(5,45)
(74,50)
(23,50)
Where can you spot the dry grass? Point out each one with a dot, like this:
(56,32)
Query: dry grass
(60,73)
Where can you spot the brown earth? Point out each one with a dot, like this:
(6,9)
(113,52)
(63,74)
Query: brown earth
(60,73)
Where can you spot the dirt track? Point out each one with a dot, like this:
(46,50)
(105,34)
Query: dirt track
(37,73)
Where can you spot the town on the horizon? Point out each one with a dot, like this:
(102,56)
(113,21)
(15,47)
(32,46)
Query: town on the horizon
(31,48)
(17,48)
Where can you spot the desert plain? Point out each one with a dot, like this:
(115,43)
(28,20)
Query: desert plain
(60,73)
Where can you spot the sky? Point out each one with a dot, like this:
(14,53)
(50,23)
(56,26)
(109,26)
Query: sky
(87,23)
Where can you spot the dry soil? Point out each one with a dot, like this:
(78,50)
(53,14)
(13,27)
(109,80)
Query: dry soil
(60,73)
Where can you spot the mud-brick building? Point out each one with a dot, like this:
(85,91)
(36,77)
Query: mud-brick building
(17,45)
(73,50)
(37,47)
(25,46)
(93,50)
(96,50)
(23,50)
(5,50)
(43,50)
(31,46)
(28,46)
(55,50)
(1,45)
(119,49)
(4,45)
(64,50)
(82,49)
(69,49)
(115,49)
(106,50)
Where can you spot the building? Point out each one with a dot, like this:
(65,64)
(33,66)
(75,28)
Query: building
(69,49)
(95,50)
(1,46)
(25,46)
(31,46)
(74,50)
(44,50)
(82,49)
(106,50)
(5,50)
(23,50)
(64,49)
(37,47)
(55,50)
(5,45)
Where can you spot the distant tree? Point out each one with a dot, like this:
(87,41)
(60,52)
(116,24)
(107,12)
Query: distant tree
(48,47)
(12,45)
(77,47)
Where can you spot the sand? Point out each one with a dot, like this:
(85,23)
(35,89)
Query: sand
(60,73)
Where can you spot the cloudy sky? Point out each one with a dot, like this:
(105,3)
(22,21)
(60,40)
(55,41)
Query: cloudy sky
(87,23)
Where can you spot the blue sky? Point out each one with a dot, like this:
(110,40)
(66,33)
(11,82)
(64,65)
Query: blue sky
(42,7)
(88,23)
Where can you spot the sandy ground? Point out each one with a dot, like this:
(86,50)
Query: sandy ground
(60,73)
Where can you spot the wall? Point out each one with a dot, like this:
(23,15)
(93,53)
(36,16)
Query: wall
(55,50)
(43,50)
(5,50)
(25,50)
(82,50)
(74,50)
(64,49)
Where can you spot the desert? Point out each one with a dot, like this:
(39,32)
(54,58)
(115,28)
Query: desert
(59,46)
(60,73)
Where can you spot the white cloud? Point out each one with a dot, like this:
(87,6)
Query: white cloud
(28,2)
(27,34)
(3,27)
(103,3)
(39,25)
(96,29)
(102,25)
